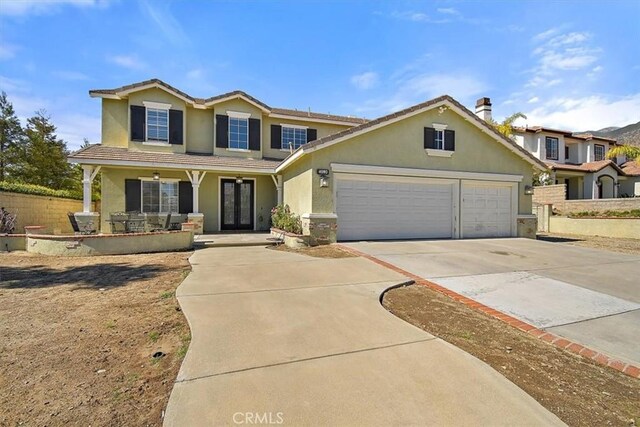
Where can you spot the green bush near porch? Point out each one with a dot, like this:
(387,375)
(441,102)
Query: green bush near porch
(284,219)
(38,190)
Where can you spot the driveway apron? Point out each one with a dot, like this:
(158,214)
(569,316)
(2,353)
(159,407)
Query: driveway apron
(289,339)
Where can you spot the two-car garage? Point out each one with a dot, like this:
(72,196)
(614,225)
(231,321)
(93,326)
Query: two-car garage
(390,203)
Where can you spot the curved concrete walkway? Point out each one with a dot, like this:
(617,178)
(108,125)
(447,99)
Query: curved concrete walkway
(278,336)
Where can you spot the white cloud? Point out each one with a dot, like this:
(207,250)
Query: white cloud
(365,81)
(448,11)
(7,50)
(160,14)
(533,100)
(545,34)
(71,75)
(590,112)
(39,7)
(127,61)
(74,127)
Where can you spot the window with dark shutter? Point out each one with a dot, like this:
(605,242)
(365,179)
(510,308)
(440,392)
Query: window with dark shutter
(276,137)
(137,123)
(429,138)
(132,195)
(222,131)
(449,140)
(254,134)
(312,134)
(175,127)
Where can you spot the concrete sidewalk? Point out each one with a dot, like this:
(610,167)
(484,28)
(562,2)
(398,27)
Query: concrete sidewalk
(589,296)
(280,336)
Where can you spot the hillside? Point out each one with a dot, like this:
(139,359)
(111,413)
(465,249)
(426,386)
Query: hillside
(629,134)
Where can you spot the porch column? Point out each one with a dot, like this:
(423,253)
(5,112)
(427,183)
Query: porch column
(195,216)
(89,173)
(277,181)
(616,188)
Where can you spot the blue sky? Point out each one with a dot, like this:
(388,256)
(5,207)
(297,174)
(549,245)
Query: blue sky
(573,65)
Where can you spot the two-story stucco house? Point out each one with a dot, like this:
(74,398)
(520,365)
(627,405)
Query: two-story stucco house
(577,160)
(434,170)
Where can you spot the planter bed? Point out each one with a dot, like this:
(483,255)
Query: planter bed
(292,240)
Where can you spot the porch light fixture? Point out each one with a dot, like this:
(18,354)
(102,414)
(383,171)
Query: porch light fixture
(239,180)
(528,190)
(156,176)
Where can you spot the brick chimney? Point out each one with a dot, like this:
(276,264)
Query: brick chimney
(483,108)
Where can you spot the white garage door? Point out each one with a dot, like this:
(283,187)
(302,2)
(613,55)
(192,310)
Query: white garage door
(394,208)
(486,210)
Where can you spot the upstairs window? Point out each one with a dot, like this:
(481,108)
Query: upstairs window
(293,137)
(439,139)
(157,125)
(238,133)
(552,148)
(598,152)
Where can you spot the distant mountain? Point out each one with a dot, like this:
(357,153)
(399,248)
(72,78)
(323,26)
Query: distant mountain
(629,134)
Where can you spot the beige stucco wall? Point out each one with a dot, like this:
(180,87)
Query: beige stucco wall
(115,123)
(49,212)
(113,198)
(240,106)
(401,144)
(199,131)
(297,182)
(618,227)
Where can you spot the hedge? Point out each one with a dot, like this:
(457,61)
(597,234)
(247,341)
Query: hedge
(38,190)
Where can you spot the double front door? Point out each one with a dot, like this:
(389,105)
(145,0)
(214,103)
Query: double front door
(237,204)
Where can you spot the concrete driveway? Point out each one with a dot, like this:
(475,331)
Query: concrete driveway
(284,337)
(586,295)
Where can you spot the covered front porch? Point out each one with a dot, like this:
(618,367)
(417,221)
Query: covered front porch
(589,181)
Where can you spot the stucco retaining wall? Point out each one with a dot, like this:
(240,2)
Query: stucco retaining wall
(605,227)
(291,240)
(50,212)
(598,205)
(13,242)
(110,244)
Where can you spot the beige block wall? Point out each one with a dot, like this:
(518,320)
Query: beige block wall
(598,205)
(49,212)
(549,194)
(113,197)
(401,145)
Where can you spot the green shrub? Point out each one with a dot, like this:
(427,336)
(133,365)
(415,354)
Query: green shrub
(284,219)
(38,190)
(634,213)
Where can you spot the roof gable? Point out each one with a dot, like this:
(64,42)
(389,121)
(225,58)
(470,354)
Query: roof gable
(443,102)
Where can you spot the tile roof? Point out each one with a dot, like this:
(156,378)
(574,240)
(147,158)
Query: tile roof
(212,99)
(417,107)
(584,167)
(98,152)
(631,168)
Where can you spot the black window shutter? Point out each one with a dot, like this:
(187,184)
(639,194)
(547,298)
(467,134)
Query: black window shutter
(222,131)
(276,137)
(312,135)
(185,197)
(175,127)
(429,138)
(137,122)
(132,189)
(450,140)
(254,134)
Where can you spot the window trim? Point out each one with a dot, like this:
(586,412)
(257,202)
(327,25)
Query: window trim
(546,151)
(246,119)
(286,125)
(160,107)
(604,152)
(147,179)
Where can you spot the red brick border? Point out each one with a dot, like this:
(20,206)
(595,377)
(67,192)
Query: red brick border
(557,341)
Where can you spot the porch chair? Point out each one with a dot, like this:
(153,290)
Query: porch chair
(86,228)
(118,221)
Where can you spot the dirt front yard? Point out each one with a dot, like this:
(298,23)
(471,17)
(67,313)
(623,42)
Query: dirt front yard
(627,246)
(77,337)
(577,390)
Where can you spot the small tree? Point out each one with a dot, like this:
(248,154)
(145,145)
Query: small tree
(629,151)
(506,126)
(11,136)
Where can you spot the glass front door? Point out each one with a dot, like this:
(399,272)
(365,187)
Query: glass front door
(236,205)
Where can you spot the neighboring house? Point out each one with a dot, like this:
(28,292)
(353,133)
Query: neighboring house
(575,159)
(434,170)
